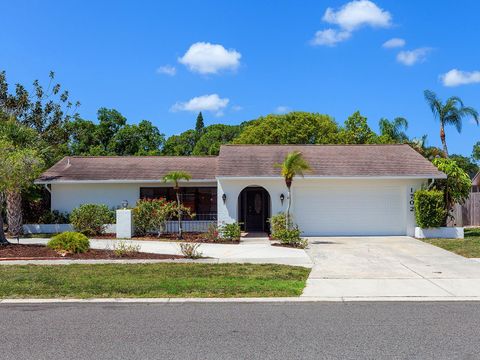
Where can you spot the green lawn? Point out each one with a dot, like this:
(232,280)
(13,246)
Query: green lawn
(468,247)
(151,280)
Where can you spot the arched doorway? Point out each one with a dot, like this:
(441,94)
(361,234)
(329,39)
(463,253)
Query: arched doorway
(254,209)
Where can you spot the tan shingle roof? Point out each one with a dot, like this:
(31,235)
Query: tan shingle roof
(327,160)
(248,161)
(81,168)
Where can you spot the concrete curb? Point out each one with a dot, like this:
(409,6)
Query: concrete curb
(234,300)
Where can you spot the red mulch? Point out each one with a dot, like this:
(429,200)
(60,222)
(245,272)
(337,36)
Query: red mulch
(187,237)
(15,251)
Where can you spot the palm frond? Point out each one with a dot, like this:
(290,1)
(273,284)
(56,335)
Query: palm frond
(433,101)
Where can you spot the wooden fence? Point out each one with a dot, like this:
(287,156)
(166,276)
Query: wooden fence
(467,214)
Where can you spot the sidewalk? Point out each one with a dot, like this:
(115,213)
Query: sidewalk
(254,252)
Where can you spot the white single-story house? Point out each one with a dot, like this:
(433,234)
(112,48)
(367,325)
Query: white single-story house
(350,190)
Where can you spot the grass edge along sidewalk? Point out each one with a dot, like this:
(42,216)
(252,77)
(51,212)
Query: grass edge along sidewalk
(151,281)
(468,247)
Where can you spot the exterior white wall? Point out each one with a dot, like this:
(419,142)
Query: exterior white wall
(232,187)
(65,197)
(228,212)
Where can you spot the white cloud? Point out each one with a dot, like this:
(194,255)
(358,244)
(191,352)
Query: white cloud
(330,37)
(349,18)
(457,77)
(358,13)
(282,109)
(212,102)
(206,58)
(167,70)
(394,43)
(237,108)
(411,57)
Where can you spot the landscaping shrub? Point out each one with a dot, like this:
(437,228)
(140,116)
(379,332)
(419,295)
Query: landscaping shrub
(54,217)
(190,250)
(212,234)
(90,219)
(291,237)
(123,248)
(429,208)
(152,214)
(230,232)
(69,242)
(277,224)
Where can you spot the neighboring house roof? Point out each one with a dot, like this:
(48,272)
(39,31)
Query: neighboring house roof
(129,168)
(249,161)
(328,161)
(476,179)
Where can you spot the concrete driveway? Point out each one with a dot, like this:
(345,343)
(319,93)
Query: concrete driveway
(359,267)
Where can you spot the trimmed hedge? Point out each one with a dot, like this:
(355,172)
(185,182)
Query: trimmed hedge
(70,242)
(430,208)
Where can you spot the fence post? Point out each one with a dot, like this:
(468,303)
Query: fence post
(124,224)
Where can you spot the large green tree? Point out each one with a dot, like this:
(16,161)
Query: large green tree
(357,131)
(466,164)
(394,131)
(291,128)
(141,139)
(46,109)
(181,145)
(199,124)
(213,136)
(452,112)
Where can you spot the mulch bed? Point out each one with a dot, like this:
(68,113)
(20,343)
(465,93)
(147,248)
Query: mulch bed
(187,237)
(27,252)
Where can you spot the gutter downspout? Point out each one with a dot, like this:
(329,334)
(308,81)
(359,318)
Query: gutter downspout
(48,189)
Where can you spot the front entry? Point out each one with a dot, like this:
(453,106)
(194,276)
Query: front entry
(254,209)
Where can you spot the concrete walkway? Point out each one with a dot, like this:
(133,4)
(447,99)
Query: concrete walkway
(388,267)
(254,250)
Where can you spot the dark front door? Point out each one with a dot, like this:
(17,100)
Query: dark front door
(254,209)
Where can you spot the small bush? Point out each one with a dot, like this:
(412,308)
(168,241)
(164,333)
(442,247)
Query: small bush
(90,219)
(54,217)
(429,208)
(123,248)
(212,234)
(291,237)
(230,232)
(277,224)
(69,242)
(190,250)
(151,215)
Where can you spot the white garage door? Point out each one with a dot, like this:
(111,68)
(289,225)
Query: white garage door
(332,208)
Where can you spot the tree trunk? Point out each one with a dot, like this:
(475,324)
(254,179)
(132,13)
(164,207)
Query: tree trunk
(289,203)
(14,212)
(179,215)
(444,142)
(3,239)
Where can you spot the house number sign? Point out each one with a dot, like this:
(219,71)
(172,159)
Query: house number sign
(411,202)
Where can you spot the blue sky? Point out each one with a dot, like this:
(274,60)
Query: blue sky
(160,60)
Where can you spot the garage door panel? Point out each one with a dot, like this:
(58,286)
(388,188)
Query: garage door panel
(349,210)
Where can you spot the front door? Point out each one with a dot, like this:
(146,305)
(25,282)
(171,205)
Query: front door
(254,209)
(254,216)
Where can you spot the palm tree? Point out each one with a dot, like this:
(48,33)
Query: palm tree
(176,177)
(395,129)
(451,112)
(294,164)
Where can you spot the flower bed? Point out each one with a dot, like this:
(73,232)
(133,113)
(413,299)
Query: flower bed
(15,251)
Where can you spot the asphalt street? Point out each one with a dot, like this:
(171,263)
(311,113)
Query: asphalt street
(355,330)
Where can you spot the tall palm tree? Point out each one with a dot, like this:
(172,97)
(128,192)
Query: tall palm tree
(176,177)
(395,129)
(452,112)
(293,165)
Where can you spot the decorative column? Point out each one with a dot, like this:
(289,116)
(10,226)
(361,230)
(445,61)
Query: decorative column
(124,224)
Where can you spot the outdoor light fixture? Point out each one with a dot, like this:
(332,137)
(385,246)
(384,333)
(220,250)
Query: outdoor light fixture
(282,197)
(124,204)
(224,198)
